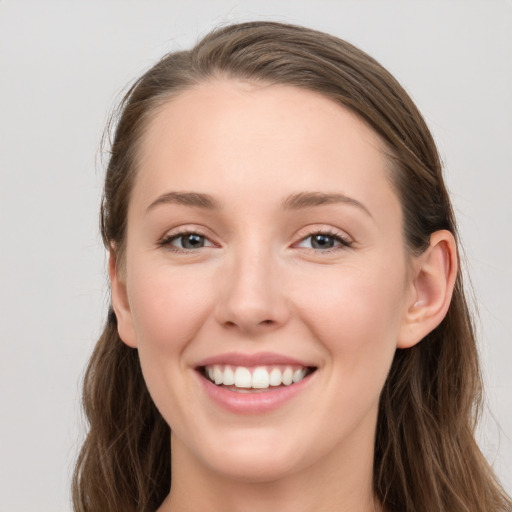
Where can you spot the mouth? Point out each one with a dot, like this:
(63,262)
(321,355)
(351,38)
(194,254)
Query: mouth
(255,379)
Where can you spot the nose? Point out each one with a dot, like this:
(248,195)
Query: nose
(252,298)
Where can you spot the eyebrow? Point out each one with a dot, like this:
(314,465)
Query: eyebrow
(312,199)
(298,201)
(193,199)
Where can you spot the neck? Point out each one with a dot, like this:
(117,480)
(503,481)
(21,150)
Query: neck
(342,481)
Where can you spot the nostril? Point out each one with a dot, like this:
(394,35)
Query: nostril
(249,324)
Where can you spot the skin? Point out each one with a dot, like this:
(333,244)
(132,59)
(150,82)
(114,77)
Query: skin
(259,285)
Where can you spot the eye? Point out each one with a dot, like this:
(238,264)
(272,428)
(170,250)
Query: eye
(324,242)
(186,241)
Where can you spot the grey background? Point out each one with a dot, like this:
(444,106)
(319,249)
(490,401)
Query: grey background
(62,67)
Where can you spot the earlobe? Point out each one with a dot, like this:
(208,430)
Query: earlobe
(120,302)
(435,271)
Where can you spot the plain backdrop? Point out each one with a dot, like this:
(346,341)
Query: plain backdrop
(64,64)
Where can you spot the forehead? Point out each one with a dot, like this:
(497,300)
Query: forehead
(257,139)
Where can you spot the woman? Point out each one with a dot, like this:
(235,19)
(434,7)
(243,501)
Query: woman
(288,324)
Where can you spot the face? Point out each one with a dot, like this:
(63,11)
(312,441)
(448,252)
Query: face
(264,252)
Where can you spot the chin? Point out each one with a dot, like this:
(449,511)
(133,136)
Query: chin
(255,470)
(256,459)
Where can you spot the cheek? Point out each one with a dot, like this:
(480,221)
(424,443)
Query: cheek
(356,315)
(168,307)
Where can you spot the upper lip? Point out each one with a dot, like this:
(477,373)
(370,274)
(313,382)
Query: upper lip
(248,360)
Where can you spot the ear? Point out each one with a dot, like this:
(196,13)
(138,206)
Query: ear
(433,280)
(120,302)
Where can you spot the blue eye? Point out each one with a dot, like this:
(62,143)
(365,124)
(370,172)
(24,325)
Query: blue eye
(191,241)
(323,242)
(186,241)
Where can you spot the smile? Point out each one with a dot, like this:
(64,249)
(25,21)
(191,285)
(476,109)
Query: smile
(254,383)
(245,379)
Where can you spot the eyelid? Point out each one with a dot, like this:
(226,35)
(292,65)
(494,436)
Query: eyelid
(182,231)
(345,241)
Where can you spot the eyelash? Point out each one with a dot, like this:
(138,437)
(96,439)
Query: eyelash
(342,240)
(166,242)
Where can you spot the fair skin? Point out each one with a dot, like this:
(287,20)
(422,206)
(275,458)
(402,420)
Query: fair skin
(287,244)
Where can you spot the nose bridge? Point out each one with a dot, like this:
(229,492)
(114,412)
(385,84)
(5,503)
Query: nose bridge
(251,296)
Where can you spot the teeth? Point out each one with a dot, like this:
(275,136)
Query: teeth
(299,374)
(260,377)
(288,376)
(228,376)
(276,377)
(218,376)
(242,377)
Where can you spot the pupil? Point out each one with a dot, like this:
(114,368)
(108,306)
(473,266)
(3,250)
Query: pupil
(322,242)
(192,241)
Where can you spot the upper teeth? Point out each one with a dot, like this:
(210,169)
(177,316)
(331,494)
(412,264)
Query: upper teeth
(260,377)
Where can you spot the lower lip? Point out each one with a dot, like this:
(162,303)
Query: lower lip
(253,402)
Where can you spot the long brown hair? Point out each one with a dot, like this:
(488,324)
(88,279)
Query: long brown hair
(426,458)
